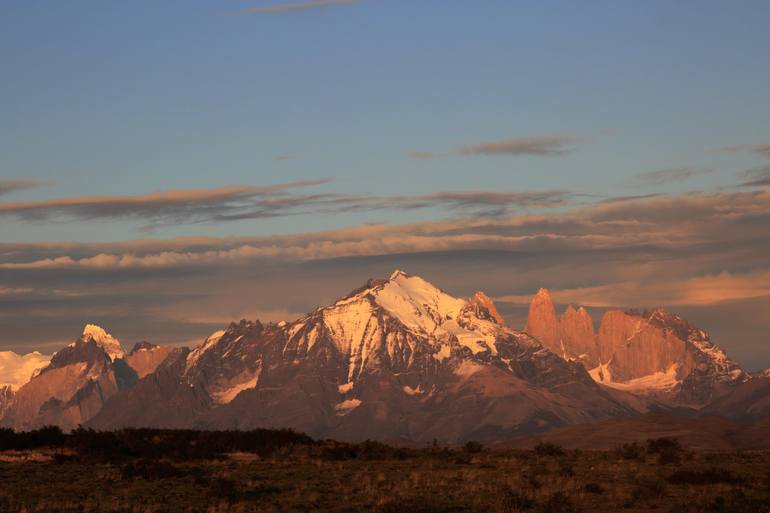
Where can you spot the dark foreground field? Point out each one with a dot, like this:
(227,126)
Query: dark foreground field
(178,471)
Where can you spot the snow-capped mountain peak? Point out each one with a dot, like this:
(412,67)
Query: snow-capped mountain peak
(110,344)
(418,304)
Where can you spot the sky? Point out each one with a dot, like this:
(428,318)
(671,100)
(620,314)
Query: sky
(168,167)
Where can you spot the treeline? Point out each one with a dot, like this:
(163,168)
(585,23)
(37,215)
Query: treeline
(177,444)
(188,444)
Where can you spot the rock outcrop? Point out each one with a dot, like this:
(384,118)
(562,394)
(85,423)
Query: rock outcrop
(655,353)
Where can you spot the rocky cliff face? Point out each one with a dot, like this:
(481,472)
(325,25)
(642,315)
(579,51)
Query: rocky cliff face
(655,353)
(748,401)
(6,396)
(144,358)
(396,360)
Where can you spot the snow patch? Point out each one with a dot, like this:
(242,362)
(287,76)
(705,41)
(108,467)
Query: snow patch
(229,394)
(413,391)
(344,389)
(347,406)
(443,353)
(653,382)
(196,353)
(467,369)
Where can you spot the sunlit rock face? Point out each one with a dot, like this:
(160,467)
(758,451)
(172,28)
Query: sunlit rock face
(542,322)
(652,353)
(397,359)
(144,358)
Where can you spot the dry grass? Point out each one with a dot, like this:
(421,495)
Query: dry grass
(314,478)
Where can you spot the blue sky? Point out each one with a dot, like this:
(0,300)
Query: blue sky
(532,113)
(135,97)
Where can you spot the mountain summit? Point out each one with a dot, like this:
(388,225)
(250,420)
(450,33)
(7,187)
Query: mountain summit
(110,344)
(396,359)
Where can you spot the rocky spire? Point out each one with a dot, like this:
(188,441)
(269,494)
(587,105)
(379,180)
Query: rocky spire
(576,329)
(542,322)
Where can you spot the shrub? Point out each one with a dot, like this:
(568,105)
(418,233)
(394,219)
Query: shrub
(473,447)
(559,502)
(549,449)
(713,475)
(149,470)
(422,504)
(223,488)
(630,451)
(669,450)
(512,501)
(594,488)
(647,488)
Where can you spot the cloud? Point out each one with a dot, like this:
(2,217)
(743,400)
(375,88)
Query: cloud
(696,291)
(251,202)
(195,205)
(762,150)
(543,145)
(663,176)
(295,6)
(759,177)
(682,223)
(10,186)
(687,251)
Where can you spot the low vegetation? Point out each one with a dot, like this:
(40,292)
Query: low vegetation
(153,471)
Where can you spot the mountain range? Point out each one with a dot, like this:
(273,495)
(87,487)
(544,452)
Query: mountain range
(397,360)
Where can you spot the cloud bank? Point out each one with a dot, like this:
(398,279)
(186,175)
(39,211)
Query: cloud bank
(695,253)
(543,146)
(257,202)
(763,150)
(11,186)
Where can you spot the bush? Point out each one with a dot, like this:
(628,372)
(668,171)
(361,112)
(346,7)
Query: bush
(549,449)
(594,488)
(47,436)
(669,450)
(223,488)
(422,504)
(647,488)
(713,475)
(558,503)
(512,501)
(150,470)
(473,447)
(630,451)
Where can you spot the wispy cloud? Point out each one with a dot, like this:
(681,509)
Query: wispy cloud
(662,176)
(543,145)
(295,6)
(721,222)
(760,149)
(251,202)
(9,186)
(759,177)
(701,290)
(194,205)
